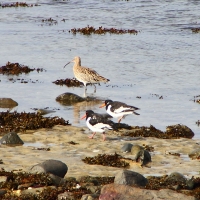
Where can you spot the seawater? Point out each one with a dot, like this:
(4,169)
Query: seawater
(161,60)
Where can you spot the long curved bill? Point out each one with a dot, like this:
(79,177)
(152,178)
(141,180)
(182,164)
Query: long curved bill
(103,105)
(66,64)
(83,117)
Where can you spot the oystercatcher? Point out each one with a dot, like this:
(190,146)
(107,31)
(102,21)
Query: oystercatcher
(98,123)
(86,75)
(119,109)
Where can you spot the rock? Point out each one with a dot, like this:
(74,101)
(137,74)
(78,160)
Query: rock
(93,189)
(140,155)
(126,177)
(70,98)
(36,191)
(2,192)
(3,178)
(90,197)
(178,130)
(44,111)
(54,167)
(127,147)
(190,184)
(58,181)
(66,196)
(125,192)
(195,155)
(24,186)
(7,103)
(11,138)
(177,177)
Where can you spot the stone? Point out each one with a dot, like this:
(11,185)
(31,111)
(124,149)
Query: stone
(141,155)
(125,192)
(195,154)
(177,177)
(58,181)
(66,196)
(3,178)
(179,130)
(126,147)
(2,192)
(90,197)
(11,138)
(70,98)
(54,167)
(36,191)
(7,103)
(127,177)
(44,111)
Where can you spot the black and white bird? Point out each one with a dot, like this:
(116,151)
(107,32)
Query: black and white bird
(119,109)
(98,123)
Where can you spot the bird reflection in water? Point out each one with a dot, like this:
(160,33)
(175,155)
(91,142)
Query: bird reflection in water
(82,107)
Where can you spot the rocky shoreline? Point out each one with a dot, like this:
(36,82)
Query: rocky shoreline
(70,145)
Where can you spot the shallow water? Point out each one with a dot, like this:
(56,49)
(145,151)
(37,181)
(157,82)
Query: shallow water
(161,60)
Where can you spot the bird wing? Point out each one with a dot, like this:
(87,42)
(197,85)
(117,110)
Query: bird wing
(119,107)
(102,126)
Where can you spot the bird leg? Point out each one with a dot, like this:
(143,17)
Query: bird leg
(85,88)
(119,120)
(91,137)
(104,136)
(95,88)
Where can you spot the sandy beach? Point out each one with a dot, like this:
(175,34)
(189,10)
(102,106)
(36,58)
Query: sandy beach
(57,140)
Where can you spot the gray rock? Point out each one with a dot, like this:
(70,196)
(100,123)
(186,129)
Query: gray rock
(70,98)
(178,177)
(2,192)
(35,191)
(58,181)
(126,147)
(54,167)
(90,197)
(190,183)
(11,138)
(44,111)
(7,103)
(66,196)
(141,155)
(195,154)
(125,192)
(127,177)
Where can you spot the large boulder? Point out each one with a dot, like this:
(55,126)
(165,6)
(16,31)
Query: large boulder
(7,103)
(11,139)
(127,177)
(54,167)
(125,192)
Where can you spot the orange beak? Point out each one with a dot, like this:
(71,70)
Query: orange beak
(83,117)
(103,105)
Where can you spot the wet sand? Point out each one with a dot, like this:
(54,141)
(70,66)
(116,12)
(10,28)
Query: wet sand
(58,138)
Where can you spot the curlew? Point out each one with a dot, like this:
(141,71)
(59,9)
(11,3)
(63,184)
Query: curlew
(86,75)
